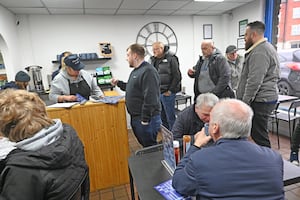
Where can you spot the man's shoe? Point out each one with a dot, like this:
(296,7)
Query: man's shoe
(294,158)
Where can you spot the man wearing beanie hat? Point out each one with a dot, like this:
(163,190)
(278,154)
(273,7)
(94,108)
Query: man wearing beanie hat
(73,81)
(235,62)
(21,81)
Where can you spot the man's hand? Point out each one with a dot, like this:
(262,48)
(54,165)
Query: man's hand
(191,72)
(114,81)
(201,139)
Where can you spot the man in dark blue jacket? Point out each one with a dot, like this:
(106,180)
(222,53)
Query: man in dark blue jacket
(233,168)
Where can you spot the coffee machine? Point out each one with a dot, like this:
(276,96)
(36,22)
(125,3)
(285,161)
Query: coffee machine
(36,81)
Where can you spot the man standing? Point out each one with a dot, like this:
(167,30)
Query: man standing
(142,96)
(258,83)
(235,62)
(211,73)
(167,66)
(234,168)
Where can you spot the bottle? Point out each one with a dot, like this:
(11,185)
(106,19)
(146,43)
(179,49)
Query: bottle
(186,143)
(176,151)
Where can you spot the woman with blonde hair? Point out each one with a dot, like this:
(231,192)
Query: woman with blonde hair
(48,160)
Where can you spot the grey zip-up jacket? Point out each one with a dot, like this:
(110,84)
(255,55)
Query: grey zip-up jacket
(260,74)
(60,84)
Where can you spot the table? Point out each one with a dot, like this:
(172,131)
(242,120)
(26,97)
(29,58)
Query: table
(183,99)
(103,130)
(147,171)
(286,98)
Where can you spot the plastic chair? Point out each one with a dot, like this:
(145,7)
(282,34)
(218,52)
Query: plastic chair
(290,116)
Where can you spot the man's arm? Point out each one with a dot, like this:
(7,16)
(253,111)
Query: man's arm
(224,76)
(176,75)
(184,179)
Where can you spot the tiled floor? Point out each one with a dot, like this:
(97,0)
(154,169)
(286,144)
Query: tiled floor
(123,192)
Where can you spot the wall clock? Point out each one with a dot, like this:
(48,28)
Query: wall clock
(157,31)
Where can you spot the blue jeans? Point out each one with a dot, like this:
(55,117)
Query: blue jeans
(168,110)
(146,134)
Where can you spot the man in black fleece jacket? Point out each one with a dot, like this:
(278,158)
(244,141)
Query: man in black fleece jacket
(142,96)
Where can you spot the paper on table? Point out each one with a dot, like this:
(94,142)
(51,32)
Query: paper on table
(62,105)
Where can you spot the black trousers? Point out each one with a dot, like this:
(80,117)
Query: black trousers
(259,130)
(296,139)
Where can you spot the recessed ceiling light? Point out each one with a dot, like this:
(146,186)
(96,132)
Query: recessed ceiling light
(210,0)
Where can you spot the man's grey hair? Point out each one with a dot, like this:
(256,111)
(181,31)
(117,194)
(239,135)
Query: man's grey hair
(206,99)
(234,118)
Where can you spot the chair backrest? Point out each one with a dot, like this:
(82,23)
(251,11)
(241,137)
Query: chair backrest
(293,107)
(150,149)
(80,192)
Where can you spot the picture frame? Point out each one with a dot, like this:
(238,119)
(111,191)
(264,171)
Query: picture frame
(207,31)
(240,43)
(242,27)
(105,49)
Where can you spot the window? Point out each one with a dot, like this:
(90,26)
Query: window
(296,13)
(295,29)
(295,44)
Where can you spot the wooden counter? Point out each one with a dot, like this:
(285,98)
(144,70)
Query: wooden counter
(103,130)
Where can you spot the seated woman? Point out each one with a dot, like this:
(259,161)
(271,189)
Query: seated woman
(48,161)
(21,81)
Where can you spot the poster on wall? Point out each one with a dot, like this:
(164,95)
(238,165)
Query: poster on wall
(240,43)
(242,27)
(207,31)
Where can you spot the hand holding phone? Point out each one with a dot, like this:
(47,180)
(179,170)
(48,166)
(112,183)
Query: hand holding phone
(206,126)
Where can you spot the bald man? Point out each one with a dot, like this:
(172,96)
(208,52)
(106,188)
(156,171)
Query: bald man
(212,72)
(234,168)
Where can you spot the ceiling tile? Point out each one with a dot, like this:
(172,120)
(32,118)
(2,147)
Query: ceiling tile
(29,10)
(102,3)
(159,12)
(100,11)
(131,12)
(138,4)
(57,11)
(167,5)
(21,4)
(63,3)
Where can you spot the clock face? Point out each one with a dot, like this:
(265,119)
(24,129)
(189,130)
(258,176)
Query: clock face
(154,32)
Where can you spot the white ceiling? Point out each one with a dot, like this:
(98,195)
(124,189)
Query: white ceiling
(121,7)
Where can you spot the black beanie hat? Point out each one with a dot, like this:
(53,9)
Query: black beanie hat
(22,77)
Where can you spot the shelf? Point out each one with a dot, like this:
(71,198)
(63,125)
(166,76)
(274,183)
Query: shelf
(84,60)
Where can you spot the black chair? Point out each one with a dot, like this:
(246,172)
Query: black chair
(290,116)
(139,152)
(82,192)
(150,149)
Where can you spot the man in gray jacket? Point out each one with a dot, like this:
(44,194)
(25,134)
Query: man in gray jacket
(258,83)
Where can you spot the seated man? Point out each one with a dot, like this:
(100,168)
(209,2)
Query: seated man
(192,119)
(233,168)
(48,161)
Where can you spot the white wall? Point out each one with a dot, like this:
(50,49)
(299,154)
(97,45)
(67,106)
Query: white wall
(9,42)
(39,38)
